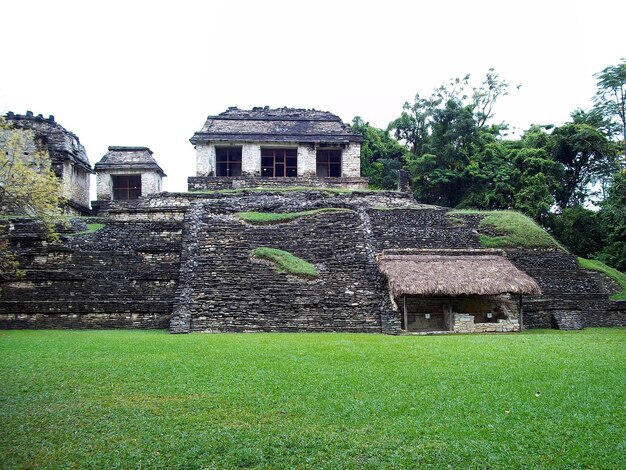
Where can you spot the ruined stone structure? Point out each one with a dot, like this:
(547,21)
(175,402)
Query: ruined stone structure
(186,261)
(69,159)
(127,173)
(276,147)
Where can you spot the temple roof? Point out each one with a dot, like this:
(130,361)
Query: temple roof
(128,158)
(276,125)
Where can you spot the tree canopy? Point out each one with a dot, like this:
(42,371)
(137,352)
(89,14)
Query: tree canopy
(458,156)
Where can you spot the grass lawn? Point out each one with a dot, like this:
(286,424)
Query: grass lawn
(147,399)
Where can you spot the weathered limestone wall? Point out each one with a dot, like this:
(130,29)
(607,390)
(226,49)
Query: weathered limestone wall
(419,227)
(351,160)
(75,182)
(229,290)
(151,182)
(122,276)
(307,166)
(205,160)
(251,158)
(566,288)
(187,257)
(213,183)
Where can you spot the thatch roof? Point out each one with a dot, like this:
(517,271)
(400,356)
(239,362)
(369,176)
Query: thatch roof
(437,275)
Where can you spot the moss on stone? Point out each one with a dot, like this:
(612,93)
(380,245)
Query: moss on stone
(515,230)
(286,262)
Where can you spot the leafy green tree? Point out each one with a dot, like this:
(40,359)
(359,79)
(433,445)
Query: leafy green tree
(610,98)
(581,230)
(381,155)
(587,157)
(443,135)
(613,215)
(28,187)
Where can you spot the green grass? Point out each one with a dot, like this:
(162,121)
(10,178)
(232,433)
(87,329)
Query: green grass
(518,230)
(147,399)
(286,262)
(618,276)
(264,218)
(91,228)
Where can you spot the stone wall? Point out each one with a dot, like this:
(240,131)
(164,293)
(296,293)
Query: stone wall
(251,158)
(213,183)
(189,257)
(227,289)
(121,276)
(151,182)
(566,288)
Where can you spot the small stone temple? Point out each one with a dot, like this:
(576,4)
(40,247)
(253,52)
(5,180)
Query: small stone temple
(276,147)
(127,173)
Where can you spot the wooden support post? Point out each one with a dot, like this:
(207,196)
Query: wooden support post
(406,316)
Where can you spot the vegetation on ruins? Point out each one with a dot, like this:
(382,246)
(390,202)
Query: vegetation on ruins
(458,156)
(509,229)
(102,399)
(28,187)
(266,218)
(617,276)
(91,228)
(285,262)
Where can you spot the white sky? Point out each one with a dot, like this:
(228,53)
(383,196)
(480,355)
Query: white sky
(147,73)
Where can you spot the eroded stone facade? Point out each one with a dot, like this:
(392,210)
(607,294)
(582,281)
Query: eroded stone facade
(185,261)
(68,156)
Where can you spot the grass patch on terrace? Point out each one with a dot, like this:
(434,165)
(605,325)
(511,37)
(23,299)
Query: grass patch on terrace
(518,230)
(91,228)
(285,262)
(265,218)
(618,276)
(130,399)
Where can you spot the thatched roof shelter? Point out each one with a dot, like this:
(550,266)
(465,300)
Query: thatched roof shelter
(440,275)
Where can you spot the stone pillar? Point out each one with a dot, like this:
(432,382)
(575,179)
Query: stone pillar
(404,182)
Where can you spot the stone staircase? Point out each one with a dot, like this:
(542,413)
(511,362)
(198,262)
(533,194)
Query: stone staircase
(567,319)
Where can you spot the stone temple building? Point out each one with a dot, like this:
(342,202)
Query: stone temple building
(127,173)
(69,159)
(276,147)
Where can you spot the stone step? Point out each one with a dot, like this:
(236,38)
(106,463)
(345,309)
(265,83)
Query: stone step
(567,319)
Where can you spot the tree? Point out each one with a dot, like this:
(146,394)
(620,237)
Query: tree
(446,135)
(610,98)
(613,215)
(28,186)
(587,157)
(581,230)
(381,155)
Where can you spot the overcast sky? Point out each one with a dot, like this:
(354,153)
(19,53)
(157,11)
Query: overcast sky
(148,73)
